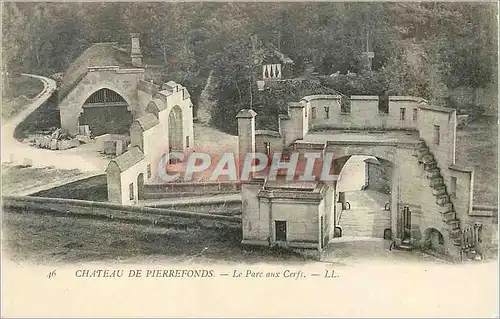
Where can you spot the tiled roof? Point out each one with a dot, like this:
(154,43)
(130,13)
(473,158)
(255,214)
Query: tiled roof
(128,159)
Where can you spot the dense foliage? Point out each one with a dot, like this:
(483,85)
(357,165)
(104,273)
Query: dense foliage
(420,49)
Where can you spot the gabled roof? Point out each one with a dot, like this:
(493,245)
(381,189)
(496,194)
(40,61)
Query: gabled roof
(128,159)
(98,54)
(147,121)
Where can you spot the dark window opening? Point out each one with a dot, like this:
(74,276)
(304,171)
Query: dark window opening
(131,191)
(415,115)
(383,104)
(280,226)
(267,146)
(402,114)
(187,141)
(436,134)
(313,113)
(345,104)
(453,186)
(327,112)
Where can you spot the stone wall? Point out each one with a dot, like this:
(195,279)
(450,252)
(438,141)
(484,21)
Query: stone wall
(376,177)
(136,214)
(363,112)
(150,135)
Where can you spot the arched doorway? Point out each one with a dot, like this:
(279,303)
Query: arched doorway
(106,111)
(434,241)
(140,186)
(362,197)
(175,129)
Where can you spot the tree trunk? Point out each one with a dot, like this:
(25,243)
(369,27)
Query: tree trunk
(238,88)
(474,95)
(250,88)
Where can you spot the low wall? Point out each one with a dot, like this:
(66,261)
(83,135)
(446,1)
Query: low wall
(135,214)
(363,113)
(192,187)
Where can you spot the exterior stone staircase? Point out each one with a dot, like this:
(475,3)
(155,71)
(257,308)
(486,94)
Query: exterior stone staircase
(436,182)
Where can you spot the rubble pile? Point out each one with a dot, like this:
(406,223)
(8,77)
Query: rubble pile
(58,140)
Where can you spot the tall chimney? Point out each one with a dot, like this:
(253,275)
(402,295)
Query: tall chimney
(135,53)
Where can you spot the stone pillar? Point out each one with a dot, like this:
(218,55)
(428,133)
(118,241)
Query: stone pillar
(246,135)
(135,53)
(70,119)
(297,119)
(395,213)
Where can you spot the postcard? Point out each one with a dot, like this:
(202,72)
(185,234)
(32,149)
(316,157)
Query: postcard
(249,159)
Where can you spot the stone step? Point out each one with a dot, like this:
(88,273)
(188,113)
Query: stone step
(427,158)
(405,247)
(430,165)
(432,173)
(446,207)
(442,199)
(438,191)
(448,215)
(453,223)
(435,181)
(422,153)
(455,233)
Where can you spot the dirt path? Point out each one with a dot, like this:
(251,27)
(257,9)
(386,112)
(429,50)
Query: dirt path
(17,153)
(205,105)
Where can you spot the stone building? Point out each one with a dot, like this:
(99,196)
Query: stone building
(108,87)
(105,93)
(413,142)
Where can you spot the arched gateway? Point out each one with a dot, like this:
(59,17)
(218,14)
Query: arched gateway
(106,111)
(416,155)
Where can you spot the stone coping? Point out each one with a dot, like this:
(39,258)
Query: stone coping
(436,108)
(267,133)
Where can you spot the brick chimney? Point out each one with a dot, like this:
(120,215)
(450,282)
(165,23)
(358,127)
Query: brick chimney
(135,53)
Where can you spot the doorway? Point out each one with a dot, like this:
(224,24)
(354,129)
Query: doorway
(280,226)
(140,186)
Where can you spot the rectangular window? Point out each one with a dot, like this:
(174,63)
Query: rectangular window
(313,113)
(267,147)
(453,186)
(415,115)
(148,172)
(327,112)
(131,191)
(187,141)
(280,226)
(402,113)
(436,134)
(383,104)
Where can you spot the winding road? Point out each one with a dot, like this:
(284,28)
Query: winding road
(15,152)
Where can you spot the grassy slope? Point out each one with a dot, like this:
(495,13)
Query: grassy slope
(17,178)
(12,101)
(43,239)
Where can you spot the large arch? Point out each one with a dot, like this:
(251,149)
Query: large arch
(106,111)
(362,211)
(175,129)
(122,81)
